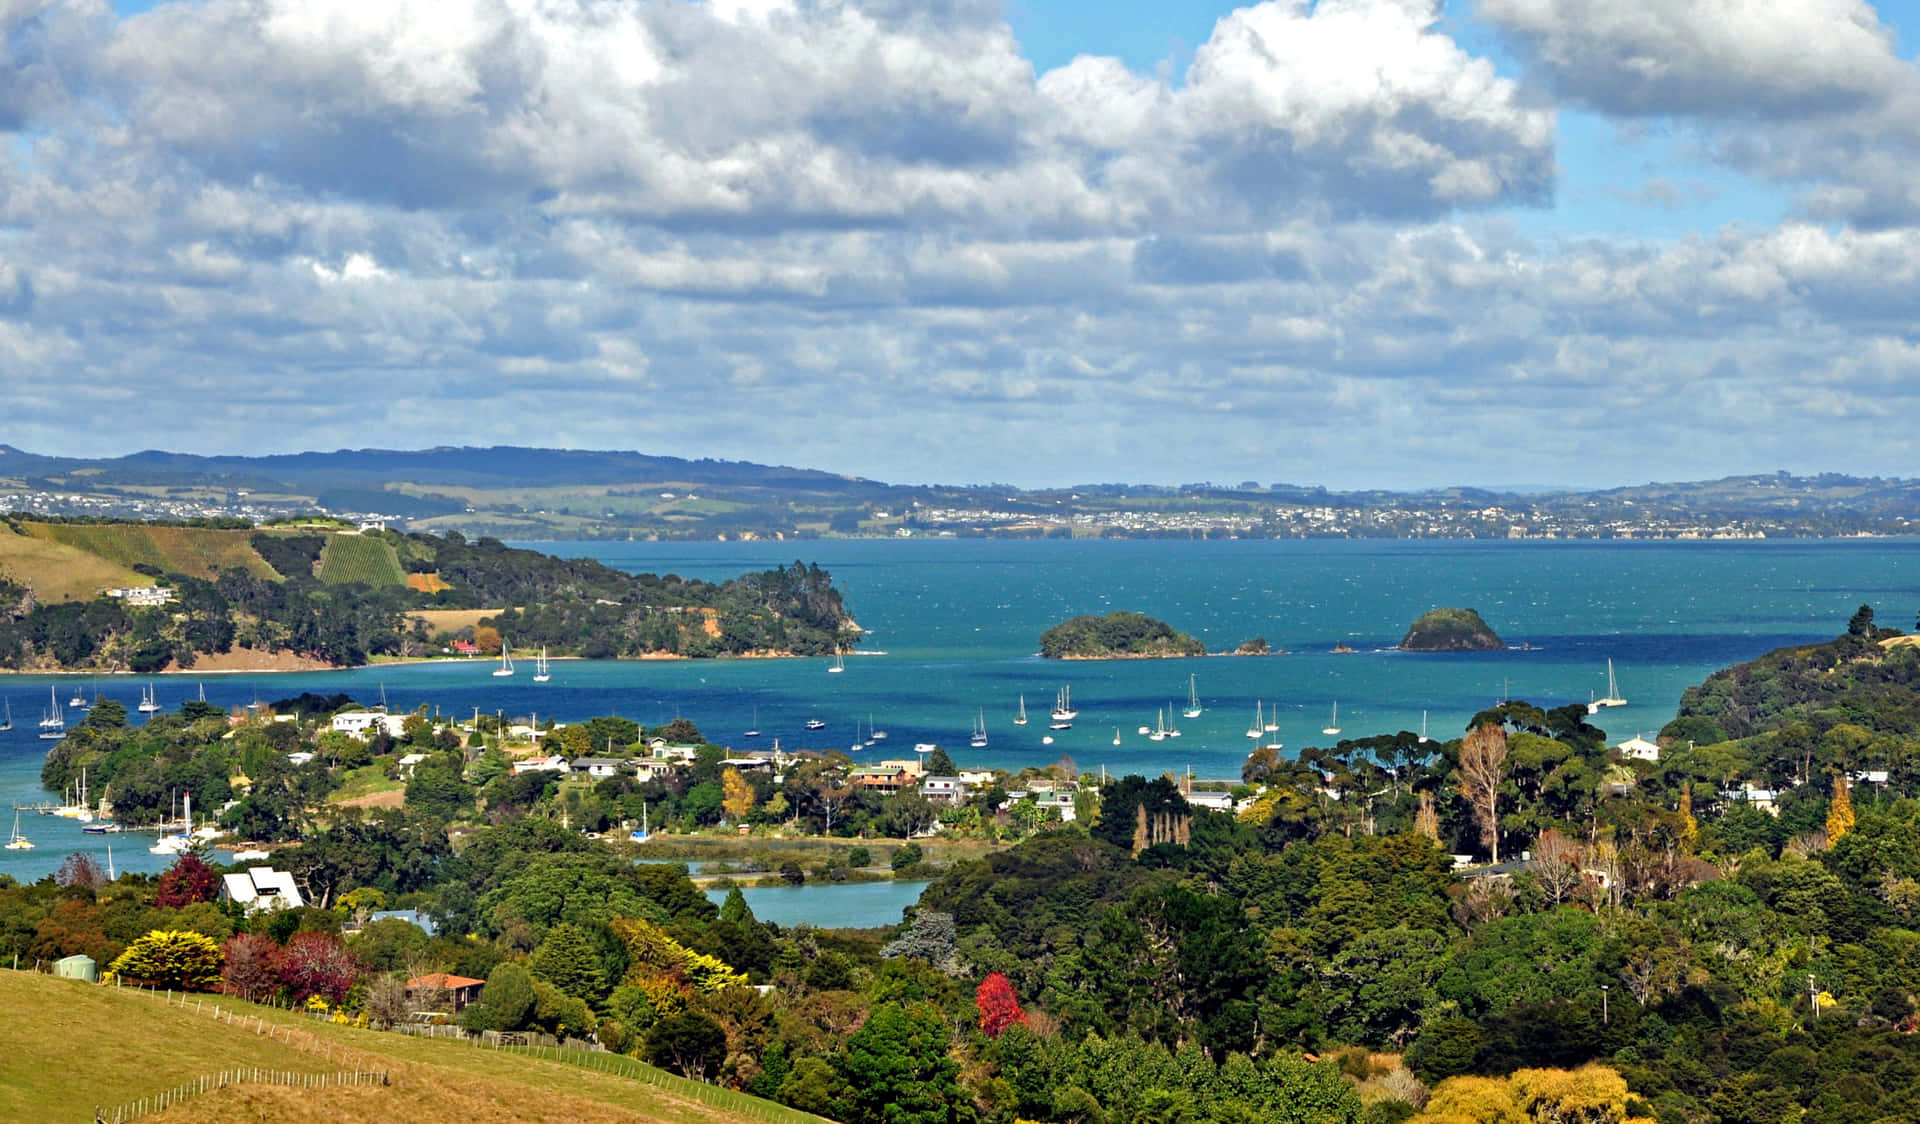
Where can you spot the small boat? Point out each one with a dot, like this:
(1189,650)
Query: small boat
(53,724)
(839,664)
(1047,739)
(1333,727)
(874,735)
(177,844)
(979,738)
(1020,719)
(1159,731)
(104,827)
(149,702)
(1063,707)
(1259,723)
(19,842)
(1273,719)
(7,723)
(79,700)
(755,732)
(1193,700)
(1172,730)
(1116,735)
(1423,727)
(924,748)
(1613,693)
(540,672)
(506,661)
(816,724)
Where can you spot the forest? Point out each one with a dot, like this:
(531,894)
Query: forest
(1520,923)
(1116,635)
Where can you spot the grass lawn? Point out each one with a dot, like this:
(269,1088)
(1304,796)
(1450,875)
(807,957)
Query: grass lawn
(78,1046)
(366,781)
(59,572)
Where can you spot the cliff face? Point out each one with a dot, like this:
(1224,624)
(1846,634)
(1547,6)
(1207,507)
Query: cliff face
(1451,630)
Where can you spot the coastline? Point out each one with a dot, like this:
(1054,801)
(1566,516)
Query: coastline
(285,662)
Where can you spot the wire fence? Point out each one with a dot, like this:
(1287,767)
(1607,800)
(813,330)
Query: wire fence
(226,1078)
(730,1100)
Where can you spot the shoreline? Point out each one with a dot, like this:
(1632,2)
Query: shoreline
(318,668)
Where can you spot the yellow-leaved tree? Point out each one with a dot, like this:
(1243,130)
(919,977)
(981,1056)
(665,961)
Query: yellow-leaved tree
(171,958)
(736,794)
(1592,1094)
(1840,812)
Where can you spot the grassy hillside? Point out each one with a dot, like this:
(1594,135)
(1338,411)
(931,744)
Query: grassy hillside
(58,572)
(200,552)
(357,558)
(76,1046)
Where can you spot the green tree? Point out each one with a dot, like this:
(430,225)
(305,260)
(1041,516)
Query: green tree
(689,1043)
(898,1070)
(438,791)
(568,960)
(506,1002)
(171,958)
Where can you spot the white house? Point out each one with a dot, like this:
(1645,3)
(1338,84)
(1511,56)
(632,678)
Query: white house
(361,723)
(1212,801)
(595,767)
(553,764)
(300,757)
(262,888)
(407,763)
(943,790)
(1639,749)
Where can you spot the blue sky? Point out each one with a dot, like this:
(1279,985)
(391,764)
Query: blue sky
(1351,242)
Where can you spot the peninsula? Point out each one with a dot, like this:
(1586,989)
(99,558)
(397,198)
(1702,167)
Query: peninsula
(1451,630)
(1117,636)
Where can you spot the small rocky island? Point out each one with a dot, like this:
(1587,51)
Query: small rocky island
(1451,630)
(1116,636)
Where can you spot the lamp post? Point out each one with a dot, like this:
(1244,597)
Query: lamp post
(1604,1019)
(1813,997)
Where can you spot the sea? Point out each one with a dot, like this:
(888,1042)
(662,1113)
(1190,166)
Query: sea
(953,634)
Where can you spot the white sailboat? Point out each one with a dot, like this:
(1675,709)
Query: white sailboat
(1333,727)
(79,699)
(1063,706)
(19,842)
(1613,693)
(1193,700)
(1259,723)
(177,844)
(149,702)
(53,724)
(1020,719)
(839,664)
(1172,730)
(1116,735)
(1159,731)
(540,672)
(1273,719)
(1423,727)
(755,732)
(874,735)
(7,723)
(506,660)
(979,738)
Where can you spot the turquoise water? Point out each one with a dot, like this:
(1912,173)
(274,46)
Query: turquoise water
(844,905)
(956,624)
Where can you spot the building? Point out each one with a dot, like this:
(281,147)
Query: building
(143,596)
(406,764)
(944,790)
(361,723)
(262,888)
(442,991)
(553,764)
(1638,749)
(595,767)
(1212,801)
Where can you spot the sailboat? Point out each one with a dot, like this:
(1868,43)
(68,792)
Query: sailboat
(1259,724)
(1063,707)
(1423,727)
(1333,727)
(53,725)
(1193,700)
(149,703)
(1020,719)
(506,661)
(1273,719)
(874,735)
(1613,693)
(1172,730)
(177,844)
(1159,732)
(7,723)
(979,738)
(79,699)
(540,672)
(839,664)
(19,842)
(1116,735)
(755,732)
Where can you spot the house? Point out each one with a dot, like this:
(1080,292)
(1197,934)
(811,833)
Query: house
(1868,776)
(910,768)
(1212,801)
(553,764)
(660,747)
(362,723)
(300,757)
(944,790)
(144,596)
(654,769)
(406,764)
(1639,749)
(595,767)
(749,764)
(262,888)
(442,991)
(1765,799)
(465,648)
(879,779)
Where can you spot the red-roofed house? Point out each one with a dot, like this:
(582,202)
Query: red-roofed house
(440,991)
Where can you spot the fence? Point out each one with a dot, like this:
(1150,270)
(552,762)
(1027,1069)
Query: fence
(161,1102)
(740,1104)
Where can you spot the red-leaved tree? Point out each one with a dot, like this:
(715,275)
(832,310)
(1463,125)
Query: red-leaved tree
(318,964)
(187,881)
(999,1007)
(252,967)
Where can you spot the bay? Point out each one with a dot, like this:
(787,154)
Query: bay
(956,624)
(838,905)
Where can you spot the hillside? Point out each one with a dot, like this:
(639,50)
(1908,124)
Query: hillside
(1451,630)
(135,1046)
(1116,636)
(343,598)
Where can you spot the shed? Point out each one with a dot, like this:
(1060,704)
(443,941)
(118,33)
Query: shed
(77,967)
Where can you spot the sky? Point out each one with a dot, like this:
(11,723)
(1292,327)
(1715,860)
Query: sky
(1358,243)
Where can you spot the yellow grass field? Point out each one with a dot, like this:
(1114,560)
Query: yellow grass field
(78,1047)
(58,572)
(197,551)
(452,620)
